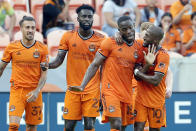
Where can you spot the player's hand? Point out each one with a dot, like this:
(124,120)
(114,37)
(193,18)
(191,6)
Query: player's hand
(44,66)
(151,55)
(118,38)
(32,96)
(76,88)
(187,7)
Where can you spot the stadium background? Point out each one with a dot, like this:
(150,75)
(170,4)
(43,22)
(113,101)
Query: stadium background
(180,107)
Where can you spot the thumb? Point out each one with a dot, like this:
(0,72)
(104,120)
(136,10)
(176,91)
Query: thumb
(144,53)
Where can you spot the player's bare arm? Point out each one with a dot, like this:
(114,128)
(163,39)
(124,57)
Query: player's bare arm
(152,79)
(169,83)
(58,60)
(92,69)
(2,67)
(32,96)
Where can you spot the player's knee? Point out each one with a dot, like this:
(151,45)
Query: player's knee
(31,127)
(13,127)
(89,124)
(139,126)
(116,124)
(69,125)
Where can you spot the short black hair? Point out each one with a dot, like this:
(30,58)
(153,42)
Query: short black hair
(85,6)
(193,15)
(123,18)
(26,18)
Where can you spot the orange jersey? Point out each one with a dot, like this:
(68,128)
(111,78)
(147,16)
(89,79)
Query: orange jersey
(25,62)
(172,36)
(188,34)
(149,95)
(186,18)
(118,68)
(80,55)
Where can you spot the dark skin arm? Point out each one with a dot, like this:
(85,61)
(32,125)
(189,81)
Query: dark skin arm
(58,60)
(154,79)
(2,67)
(92,69)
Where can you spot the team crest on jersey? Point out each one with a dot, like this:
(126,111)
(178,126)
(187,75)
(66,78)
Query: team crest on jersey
(111,109)
(135,55)
(161,65)
(91,47)
(18,53)
(65,111)
(36,54)
(12,108)
(74,45)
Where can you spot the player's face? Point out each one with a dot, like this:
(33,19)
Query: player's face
(127,30)
(194,21)
(85,19)
(149,39)
(167,20)
(28,30)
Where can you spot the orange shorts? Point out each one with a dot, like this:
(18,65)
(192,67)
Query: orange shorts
(18,104)
(113,107)
(81,105)
(155,116)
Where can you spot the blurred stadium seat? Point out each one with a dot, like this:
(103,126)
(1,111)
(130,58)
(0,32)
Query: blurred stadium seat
(38,36)
(53,41)
(19,5)
(4,41)
(37,12)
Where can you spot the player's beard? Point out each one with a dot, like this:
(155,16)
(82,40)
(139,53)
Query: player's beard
(85,27)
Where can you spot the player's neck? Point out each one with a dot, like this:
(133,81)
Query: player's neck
(85,34)
(27,43)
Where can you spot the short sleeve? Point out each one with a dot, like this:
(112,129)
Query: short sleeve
(186,36)
(105,47)
(7,55)
(45,57)
(108,6)
(64,43)
(162,62)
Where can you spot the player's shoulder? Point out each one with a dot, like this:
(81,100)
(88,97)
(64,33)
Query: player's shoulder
(41,44)
(163,52)
(98,35)
(14,43)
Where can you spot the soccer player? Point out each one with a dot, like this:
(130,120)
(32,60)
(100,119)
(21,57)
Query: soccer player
(150,99)
(118,64)
(27,78)
(81,46)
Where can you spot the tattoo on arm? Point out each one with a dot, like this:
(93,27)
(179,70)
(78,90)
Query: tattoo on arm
(151,79)
(58,60)
(42,80)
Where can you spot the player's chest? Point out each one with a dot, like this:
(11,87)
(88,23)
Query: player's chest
(125,56)
(26,54)
(83,46)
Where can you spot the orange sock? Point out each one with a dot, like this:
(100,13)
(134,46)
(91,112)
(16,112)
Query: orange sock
(90,130)
(13,127)
(114,130)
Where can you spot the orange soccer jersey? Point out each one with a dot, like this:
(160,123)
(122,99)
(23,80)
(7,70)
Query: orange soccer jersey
(172,36)
(80,55)
(118,68)
(149,95)
(186,18)
(188,34)
(25,62)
